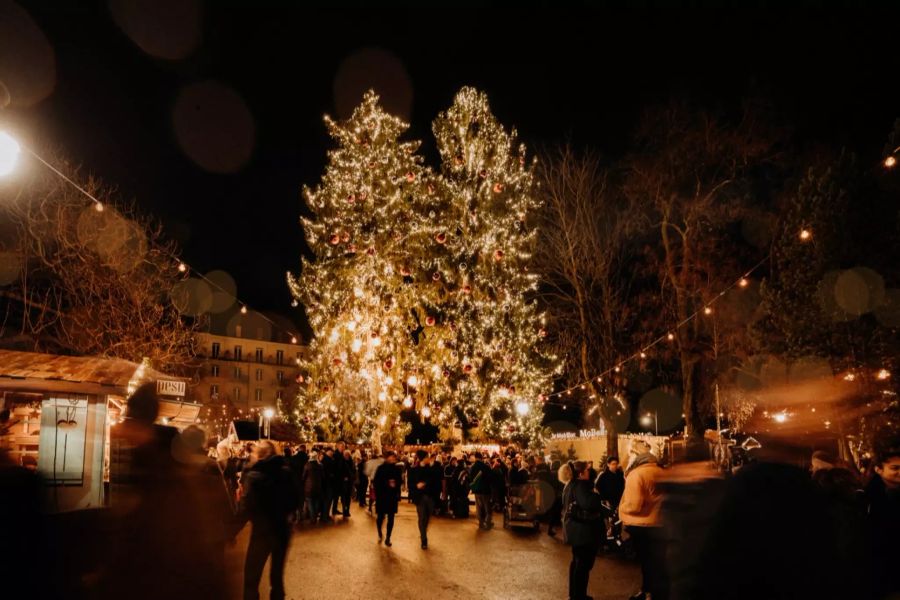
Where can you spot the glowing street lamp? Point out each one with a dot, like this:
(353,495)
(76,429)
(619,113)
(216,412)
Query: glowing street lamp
(9,153)
(265,420)
(648,418)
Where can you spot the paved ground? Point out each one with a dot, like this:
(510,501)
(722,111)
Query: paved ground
(344,561)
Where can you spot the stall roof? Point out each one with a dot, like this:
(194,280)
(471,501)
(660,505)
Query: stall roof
(33,371)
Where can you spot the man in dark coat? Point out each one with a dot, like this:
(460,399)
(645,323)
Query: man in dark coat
(269,497)
(480,476)
(583,521)
(611,483)
(329,484)
(387,481)
(312,486)
(425,490)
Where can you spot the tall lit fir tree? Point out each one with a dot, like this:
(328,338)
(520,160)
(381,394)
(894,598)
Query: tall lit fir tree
(419,296)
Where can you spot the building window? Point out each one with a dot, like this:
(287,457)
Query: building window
(280,376)
(279,357)
(215,349)
(259,355)
(214,391)
(237,372)
(214,370)
(237,394)
(258,395)
(237,353)
(259,374)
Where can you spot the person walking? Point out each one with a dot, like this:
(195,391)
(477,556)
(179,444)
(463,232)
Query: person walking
(312,486)
(346,471)
(329,485)
(387,481)
(269,497)
(425,489)
(639,511)
(583,523)
(480,484)
(362,481)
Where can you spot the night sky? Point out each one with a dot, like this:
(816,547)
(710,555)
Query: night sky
(555,74)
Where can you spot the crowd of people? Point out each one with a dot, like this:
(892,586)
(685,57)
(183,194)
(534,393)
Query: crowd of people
(768,530)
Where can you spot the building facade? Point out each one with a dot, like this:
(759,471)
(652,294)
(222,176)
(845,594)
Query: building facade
(249,374)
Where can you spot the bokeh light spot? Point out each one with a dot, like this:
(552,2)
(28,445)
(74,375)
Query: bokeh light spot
(192,297)
(167,29)
(10,267)
(214,127)
(378,69)
(27,62)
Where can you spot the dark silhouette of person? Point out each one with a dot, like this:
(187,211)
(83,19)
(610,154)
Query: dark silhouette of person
(270,496)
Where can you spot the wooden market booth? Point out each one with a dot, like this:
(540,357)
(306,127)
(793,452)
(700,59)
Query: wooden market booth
(61,410)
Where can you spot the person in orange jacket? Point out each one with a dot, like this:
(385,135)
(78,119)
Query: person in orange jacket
(639,511)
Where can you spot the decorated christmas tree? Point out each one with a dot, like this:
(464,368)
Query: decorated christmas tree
(362,292)
(499,371)
(419,296)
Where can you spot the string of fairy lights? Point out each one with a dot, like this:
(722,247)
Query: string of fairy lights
(182,266)
(706,310)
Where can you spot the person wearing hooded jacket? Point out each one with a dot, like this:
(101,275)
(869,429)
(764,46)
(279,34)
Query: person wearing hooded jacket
(270,495)
(639,511)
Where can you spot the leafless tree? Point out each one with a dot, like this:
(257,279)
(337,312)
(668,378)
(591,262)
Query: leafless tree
(78,280)
(690,178)
(584,280)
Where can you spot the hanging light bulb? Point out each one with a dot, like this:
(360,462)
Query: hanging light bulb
(805,235)
(744,282)
(407,402)
(293,339)
(426,412)
(243,310)
(351,325)
(382,396)
(412,381)
(182,268)
(356,344)
(98,206)
(890,162)
(522,408)
(707,310)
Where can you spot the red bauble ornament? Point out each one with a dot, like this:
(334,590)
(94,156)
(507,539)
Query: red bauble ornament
(436,276)
(498,255)
(337,362)
(430,189)
(542,333)
(467,289)
(446,373)
(363,196)
(334,240)
(326,388)
(404,270)
(498,187)
(299,378)
(429,321)
(410,177)
(458,160)
(351,248)
(467,368)
(351,199)
(483,174)
(345,237)
(374,335)
(441,238)
(371,251)
(388,364)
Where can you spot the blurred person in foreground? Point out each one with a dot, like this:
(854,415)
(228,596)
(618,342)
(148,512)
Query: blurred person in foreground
(171,515)
(269,497)
(583,522)
(639,510)
(883,498)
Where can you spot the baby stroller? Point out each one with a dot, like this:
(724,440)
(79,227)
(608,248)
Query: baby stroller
(523,505)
